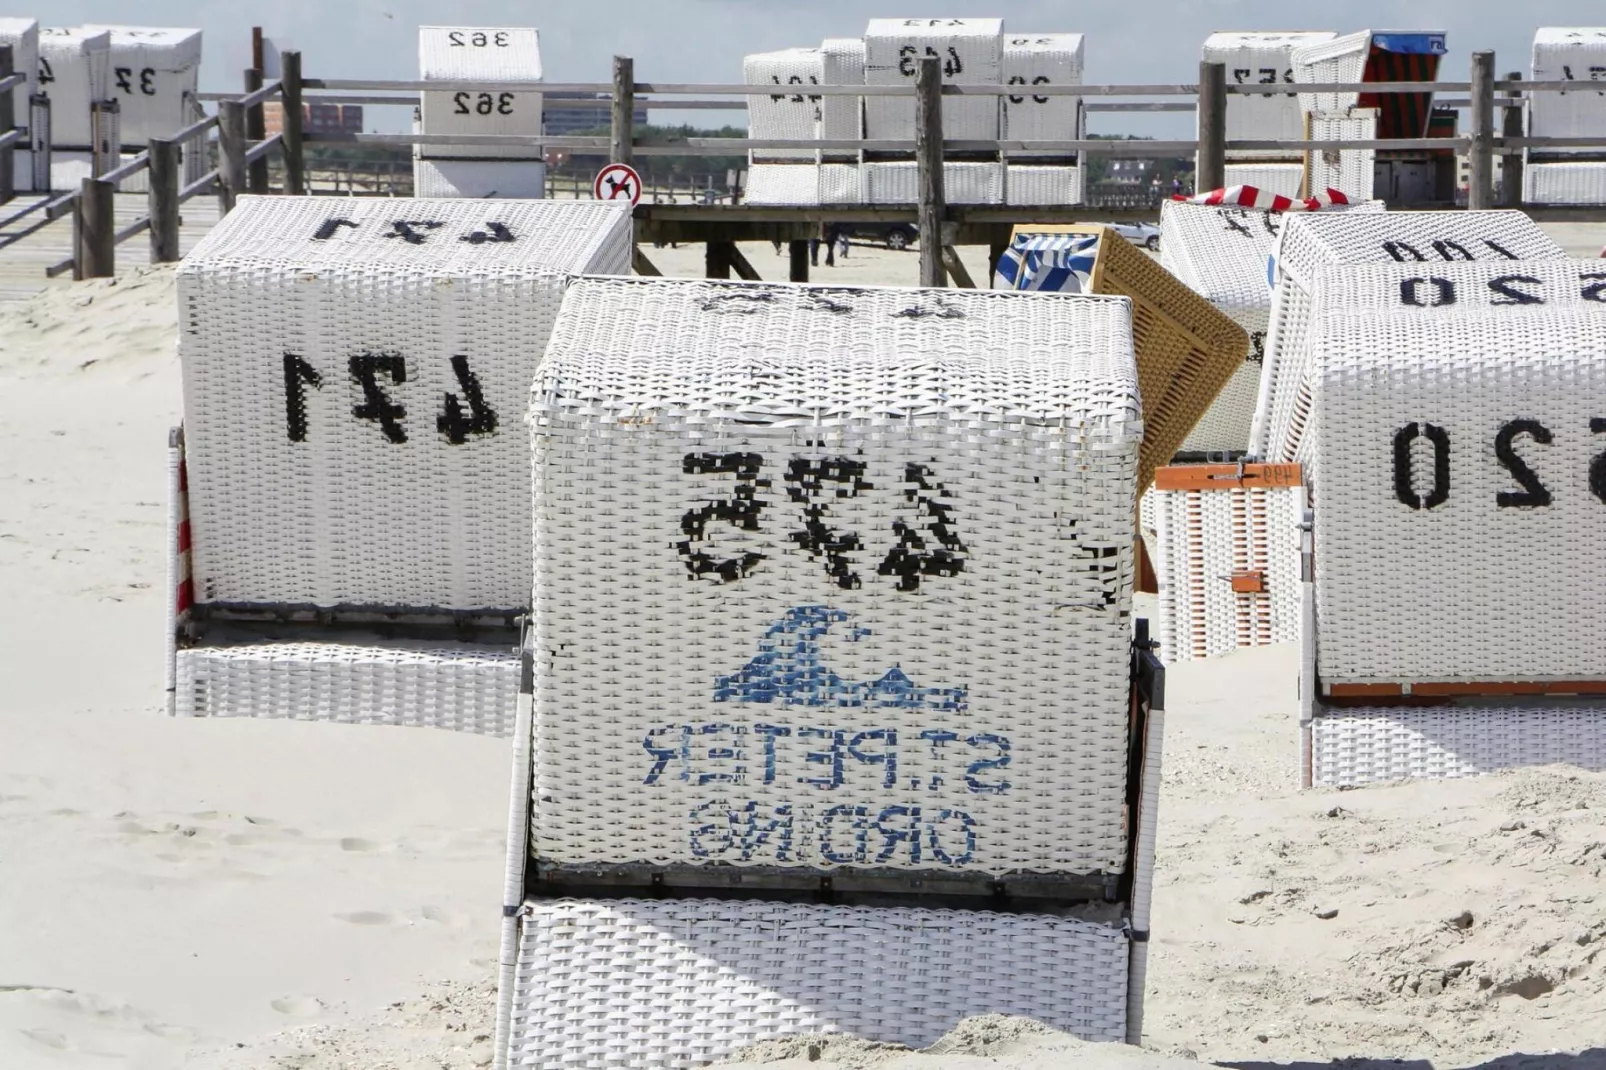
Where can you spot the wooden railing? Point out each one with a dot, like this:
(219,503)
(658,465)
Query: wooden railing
(243,152)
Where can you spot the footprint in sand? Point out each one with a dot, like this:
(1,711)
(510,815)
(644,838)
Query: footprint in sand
(48,1037)
(355,843)
(368,917)
(444,917)
(298,1006)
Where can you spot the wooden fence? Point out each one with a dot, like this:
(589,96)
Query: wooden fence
(243,152)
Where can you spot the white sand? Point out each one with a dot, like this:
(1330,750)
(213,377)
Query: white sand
(244,894)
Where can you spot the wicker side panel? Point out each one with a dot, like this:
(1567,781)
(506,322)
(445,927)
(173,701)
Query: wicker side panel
(155,74)
(783,183)
(463,688)
(971,52)
(1564,183)
(1348,170)
(1029,186)
(790,112)
(79,66)
(630,983)
(1187,349)
(842,118)
(963,183)
(1356,747)
(1261,57)
(1042,59)
(523,179)
(1283,179)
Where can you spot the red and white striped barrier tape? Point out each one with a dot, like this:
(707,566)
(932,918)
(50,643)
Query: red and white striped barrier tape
(1253,197)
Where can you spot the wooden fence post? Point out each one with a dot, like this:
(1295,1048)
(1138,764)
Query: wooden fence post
(256,128)
(1511,164)
(163,200)
(231,154)
(928,161)
(1480,154)
(8,122)
(95,230)
(717,260)
(295,162)
(798,252)
(624,109)
(1212,160)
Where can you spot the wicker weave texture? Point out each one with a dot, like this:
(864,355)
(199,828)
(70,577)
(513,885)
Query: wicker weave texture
(1282,179)
(971,52)
(501,179)
(23,37)
(783,183)
(833,577)
(1259,57)
(963,183)
(481,54)
(1444,438)
(1565,183)
(1348,170)
(460,687)
(1337,59)
(78,65)
(1569,54)
(842,118)
(841,183)
(786,113)
(630,983)
(1202,538)
(1033,185)
(1318,239)
(1187,350)
(1042,59)
(1356,747)
(154,78)
(1221,253)
(352,400)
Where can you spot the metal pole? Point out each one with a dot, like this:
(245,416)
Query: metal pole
(8,121)
(1480,155)
(295,164)
(231,154)
(163,200)
(1511,165)
(95,231)
(624,108)
(1212,162)
(928,157)
(256,129)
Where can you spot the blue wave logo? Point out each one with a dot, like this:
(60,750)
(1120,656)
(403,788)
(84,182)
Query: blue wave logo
(789,670)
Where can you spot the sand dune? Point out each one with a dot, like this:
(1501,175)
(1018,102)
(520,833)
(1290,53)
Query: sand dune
(243,894)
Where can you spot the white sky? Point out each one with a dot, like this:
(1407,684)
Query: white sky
(704,40)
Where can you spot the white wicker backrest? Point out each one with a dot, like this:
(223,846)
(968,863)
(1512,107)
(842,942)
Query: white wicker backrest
(1461,499)
(1569,54)
(833,577)
(354,370)
(1338,59)
(481,54)
(155,71)
(74,72)
(788,112)
(1258,58)
(23,37)
(1350,171)
(1042,59)
(1222,253)
(1311,241)
(972,53)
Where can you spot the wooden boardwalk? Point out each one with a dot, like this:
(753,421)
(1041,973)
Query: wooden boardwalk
(23,263)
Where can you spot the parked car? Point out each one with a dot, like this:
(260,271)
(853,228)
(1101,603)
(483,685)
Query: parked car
(892,235)
(1144,234)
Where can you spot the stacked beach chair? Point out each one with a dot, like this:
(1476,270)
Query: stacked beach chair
(154,76)
(972,52)
(1224,538)
(1435,376)
(23,37)
(1263,58)
(75,75)
(1367,56)
(351,491)
(1568,175)
(832,688)
(495,56)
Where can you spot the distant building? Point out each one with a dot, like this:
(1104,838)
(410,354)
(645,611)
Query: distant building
(315,118)
(575,119)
